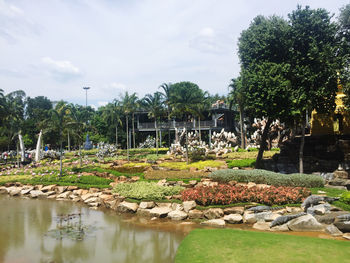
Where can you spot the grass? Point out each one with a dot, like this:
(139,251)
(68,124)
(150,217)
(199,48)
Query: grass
(241,163)
(249,155)
(199,165)
(230,245)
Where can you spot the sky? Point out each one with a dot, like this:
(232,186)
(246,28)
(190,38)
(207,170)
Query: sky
(54,48)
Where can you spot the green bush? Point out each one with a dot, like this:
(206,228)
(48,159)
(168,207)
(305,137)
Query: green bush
(240,163)
(345,197)
(267,177)
(146,190)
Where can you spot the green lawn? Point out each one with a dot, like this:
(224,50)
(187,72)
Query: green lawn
(229,245)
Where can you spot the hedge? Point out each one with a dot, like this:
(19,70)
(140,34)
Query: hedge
(267,177)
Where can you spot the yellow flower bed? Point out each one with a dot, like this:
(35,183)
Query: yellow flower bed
(199,165)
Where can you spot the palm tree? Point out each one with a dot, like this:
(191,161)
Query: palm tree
(154,105)
(236,96)
(111,113)
(167,89)
(129,104)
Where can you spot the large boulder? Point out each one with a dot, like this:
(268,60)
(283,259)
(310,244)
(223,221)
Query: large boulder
(64,195)
(333,230)
(281,228)
(37,194)
(213,213)
(195,214)
(15,191)
(320,209)
(330,217)
(160,211)
(147,205)
(127,207)
(189,205)
(3,190)
(234,210)
(143,212)
(249,217)
(261,225)
(177,215)
(233,218)
(305,223)
(214,222)
(48,188)
(343,226)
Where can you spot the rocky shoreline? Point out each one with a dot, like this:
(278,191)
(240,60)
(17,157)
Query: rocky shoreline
(322,217)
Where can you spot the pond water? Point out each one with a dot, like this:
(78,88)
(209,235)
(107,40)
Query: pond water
(31,231)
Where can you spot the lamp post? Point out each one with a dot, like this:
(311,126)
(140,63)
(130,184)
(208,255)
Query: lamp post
(86,89)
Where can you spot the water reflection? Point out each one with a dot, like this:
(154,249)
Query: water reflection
(25,222)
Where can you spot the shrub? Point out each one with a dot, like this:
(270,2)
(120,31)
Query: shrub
(146,190)
(227,194)
(72,179)
(267,177)
(241,163)
(345,197)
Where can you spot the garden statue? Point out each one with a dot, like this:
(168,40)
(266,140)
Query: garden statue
(87,144)
(21,144)
(38,146)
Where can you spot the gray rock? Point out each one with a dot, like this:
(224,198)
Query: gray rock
(234,210)
(213,213)
(175,206)
(147,205)
(343,226)
(37,194)
(127,207)
(233,218)
(214,222)
(261,225)
(282,228)
(249,218)
(189,205)
(333,230)
(320,209)
(160,211)
(329,218)
(15,191)
(195,214)
(177,215)
(305,223)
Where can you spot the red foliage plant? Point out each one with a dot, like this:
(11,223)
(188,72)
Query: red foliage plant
(224,194)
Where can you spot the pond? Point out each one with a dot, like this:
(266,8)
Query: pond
(35,231)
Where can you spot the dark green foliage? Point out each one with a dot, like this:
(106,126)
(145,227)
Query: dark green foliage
(267,177)
(345,197)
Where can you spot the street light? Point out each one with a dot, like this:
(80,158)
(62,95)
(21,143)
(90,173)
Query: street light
(86,89)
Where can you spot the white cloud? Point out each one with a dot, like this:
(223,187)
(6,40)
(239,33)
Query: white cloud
(102,103)
(61,70)
(207,32)
(207,41)
(118,86)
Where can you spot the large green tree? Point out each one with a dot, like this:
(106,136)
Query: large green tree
(264,71)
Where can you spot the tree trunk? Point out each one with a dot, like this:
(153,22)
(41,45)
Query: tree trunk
(155,125)
(258,163)
(241,128)
(301,149)
(116,136)
(127,136)
(68,142)
(80,157)
(199,129)
(133,131)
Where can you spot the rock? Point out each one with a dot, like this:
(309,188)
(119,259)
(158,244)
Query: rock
(15,191)
(162,182)
(160,211)
(38,187)
(178,207)
(147,205)
(177,215)
(283,228)
(94,204)
(36,194)
(261,225)
(72,188)
(92,199)
(86,196)
(214,222)
(61,189)
(294,210)
(249,218)
(93,190)
(189,205)
(329,218)
(167,205)
(213,213)
(110,204)
(341,174)
(195,214)
(234,210)
(233,218)
(346,236)
(106,197)
(143,212)
(127,207)
(320,209)
(64,195)
(251,184)
(52,196)
(50,193)
(305,223)
(3,190)
(333,230)
(343,226)
(48,188)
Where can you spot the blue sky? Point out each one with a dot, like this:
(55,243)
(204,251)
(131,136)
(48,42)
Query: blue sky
(56,47)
